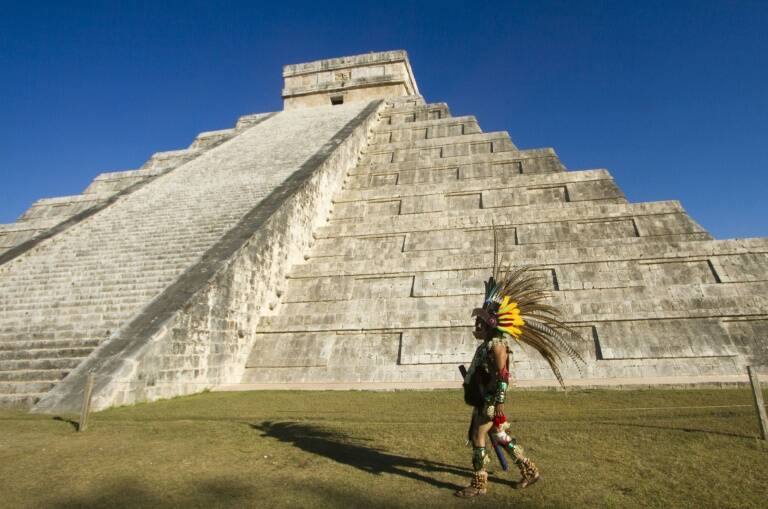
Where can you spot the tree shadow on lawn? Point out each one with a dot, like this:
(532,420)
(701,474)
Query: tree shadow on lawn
(343,448)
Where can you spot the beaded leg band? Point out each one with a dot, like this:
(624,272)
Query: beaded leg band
(529,474)
(479,484)
(476,488)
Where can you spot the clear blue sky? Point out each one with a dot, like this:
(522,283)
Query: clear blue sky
(671,97)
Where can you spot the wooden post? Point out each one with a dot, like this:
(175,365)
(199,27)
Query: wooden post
(83,424)
(757,395)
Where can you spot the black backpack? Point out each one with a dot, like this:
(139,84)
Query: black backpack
(473,391)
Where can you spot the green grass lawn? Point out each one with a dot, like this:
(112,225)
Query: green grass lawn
(660,448)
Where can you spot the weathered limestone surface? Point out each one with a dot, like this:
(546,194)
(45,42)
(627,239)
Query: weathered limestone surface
(344,241)
(50,216)
(167,281)
(348,79)
(384,295)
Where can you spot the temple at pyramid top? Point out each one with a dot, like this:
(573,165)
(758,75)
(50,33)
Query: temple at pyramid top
(348,79)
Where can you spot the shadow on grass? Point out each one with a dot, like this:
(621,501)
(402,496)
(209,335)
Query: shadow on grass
(347,450)
(130,494)
(675,428)
(71,422)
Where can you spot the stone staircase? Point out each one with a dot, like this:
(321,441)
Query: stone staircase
(385,292)
(51,215)
(63,297)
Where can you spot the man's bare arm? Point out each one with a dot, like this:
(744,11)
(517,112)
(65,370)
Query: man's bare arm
(500,357)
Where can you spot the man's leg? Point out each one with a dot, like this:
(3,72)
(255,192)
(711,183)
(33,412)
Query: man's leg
(479,485)
(529,474)
(528,471)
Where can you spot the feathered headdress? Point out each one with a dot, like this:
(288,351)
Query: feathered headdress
(514,305)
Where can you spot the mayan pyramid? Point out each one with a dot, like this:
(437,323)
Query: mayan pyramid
(342,242)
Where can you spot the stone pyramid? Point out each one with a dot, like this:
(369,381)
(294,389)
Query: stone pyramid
(341,243)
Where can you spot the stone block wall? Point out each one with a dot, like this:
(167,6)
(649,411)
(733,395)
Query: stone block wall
(384,295)
(348,79)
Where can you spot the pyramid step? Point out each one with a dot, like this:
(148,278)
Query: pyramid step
(31,288)
(66,270)
(17,338)
(432,207)
(509,183)
(438,150)
(19,401)
(247,121)
(395,294)
(118,252)
(445,197)
(403,291)
(480,138)
(394,247)
(385,135)
(107,306)
(631,216)
(453,242)
(120,295)
(407,113)
(55,334)
(383,127)
(117,246)
(57,330)
(389,180)
(432,316)
(26,323)
(28,387)
(132,276)
(64,329)
(21,375)
(68,300)
(46,353)
(474,160)
(60,363)
(445,280)
(209,139)
(748,255)
(111,304)
(48,344)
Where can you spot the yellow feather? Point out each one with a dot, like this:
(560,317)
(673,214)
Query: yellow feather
(513,315)
(508,307)
(512,331)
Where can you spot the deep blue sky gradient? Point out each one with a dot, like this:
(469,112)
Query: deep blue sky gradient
(671,97)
